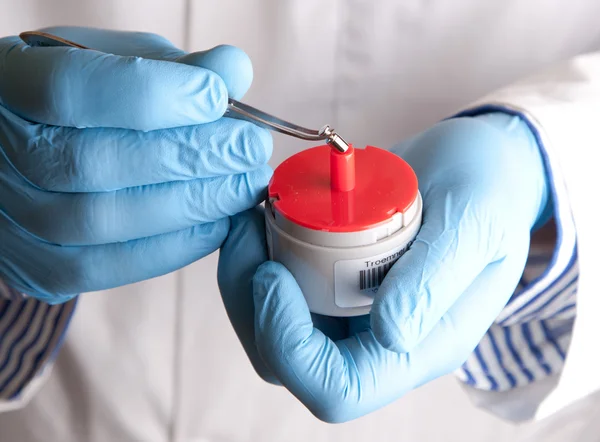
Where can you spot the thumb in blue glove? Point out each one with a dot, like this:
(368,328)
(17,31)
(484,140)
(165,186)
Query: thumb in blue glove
(484,188)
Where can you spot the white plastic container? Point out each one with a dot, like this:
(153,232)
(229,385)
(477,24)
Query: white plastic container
(339,244)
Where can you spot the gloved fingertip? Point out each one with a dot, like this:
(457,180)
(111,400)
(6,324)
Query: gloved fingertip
(229,62)
(278,299)
(252,145)
(256,183)
(258,144)
(392,333)
(262,176)
(267,275)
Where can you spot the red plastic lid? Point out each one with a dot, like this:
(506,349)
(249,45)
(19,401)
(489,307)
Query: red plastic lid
(301,188)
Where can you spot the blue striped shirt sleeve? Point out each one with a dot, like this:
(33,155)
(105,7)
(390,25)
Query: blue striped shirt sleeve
(31,333)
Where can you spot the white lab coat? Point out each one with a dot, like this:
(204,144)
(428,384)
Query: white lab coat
(158,361)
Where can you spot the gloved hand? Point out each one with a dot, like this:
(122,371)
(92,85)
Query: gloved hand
(484,187)
(118,167)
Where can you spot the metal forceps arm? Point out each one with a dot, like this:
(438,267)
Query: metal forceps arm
(242,111)
(235,109)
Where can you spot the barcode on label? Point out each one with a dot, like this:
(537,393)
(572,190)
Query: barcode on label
(372,278)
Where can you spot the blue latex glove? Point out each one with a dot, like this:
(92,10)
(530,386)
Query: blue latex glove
(118,167)
(484,187)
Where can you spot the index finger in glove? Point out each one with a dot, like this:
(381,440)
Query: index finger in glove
(230,63)
(84,88)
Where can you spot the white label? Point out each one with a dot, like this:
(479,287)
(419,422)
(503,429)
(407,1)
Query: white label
(357,280)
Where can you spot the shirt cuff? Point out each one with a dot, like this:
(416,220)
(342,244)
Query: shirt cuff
(31,333)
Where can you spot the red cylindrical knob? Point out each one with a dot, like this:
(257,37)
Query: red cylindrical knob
(342,170)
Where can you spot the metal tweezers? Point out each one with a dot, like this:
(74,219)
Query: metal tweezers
(235,109)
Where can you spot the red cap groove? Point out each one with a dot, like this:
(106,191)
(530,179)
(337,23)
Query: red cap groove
(301,188)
